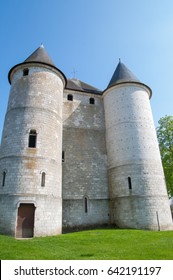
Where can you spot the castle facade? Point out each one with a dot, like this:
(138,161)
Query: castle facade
(73,156)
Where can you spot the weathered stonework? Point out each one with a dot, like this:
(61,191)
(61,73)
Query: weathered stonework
(85,163)
(95,161)
(136,179)
(35,103)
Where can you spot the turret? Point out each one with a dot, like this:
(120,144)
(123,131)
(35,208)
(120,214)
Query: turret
(138,196)
(31,149)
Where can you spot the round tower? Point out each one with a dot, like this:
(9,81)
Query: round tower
(138,196)
(31,149)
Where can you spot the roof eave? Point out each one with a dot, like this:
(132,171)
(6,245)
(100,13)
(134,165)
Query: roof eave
(129,82)
(85,91)
(36,62)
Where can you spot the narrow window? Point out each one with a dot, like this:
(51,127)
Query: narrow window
(43,179)
(70,97)
(129,183)
(3,178)
(32,139)
(86,204)
(63,156)
(25,72)
(92,100)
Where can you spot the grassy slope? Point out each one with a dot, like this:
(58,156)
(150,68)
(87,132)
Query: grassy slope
(100,244)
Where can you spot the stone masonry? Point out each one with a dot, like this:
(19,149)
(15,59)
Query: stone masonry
(74,157)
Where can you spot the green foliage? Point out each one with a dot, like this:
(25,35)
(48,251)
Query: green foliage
(100,244)
(165,139)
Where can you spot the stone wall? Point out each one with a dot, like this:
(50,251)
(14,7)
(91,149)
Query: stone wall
(85,161)
(100,159)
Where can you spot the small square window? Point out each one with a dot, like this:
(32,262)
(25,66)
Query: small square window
(70,97)
(92,100)
(25,72)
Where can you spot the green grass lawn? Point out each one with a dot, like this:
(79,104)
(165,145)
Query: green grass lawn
(100,244)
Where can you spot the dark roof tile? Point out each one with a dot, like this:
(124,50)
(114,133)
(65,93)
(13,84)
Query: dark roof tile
(75,84)
(40,55)
(122,74)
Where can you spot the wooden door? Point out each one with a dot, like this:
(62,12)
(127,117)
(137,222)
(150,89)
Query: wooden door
(25,221)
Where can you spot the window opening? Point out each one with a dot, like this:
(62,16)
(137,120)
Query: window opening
(32,139)
(25,72)
(130,183)
(63,156)
(3,178)
(43,179)
(92,100)
(86,204)
(70,97)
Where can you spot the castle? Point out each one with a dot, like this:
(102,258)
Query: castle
(74,157)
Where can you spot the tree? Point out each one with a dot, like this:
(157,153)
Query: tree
(165,139)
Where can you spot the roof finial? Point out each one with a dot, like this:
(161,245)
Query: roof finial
(74,73)
(119,60)
(41,46)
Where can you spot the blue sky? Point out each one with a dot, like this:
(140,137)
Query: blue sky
(91,36)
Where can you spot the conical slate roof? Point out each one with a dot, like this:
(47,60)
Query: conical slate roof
(40,55)
(122,74)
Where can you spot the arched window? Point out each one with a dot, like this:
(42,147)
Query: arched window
(130,183)
(43,179)
(70,97)
(25,72)
(92,100)
(3,178)
(32,138)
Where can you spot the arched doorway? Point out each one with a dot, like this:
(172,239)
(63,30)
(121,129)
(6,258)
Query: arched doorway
(25,220)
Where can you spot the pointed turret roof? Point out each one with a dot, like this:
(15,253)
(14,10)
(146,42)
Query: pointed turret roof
(40,55)
(122,74)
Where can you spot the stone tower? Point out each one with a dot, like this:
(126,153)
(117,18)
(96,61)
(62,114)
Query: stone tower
(138,197)
(31,149)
